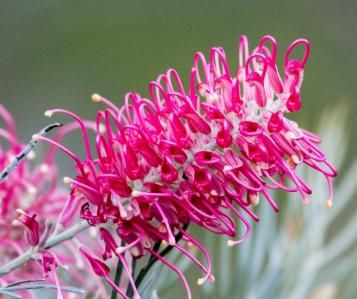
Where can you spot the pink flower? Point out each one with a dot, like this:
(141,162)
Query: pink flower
(198,154)
(30,203)
(26,192)
(32,232)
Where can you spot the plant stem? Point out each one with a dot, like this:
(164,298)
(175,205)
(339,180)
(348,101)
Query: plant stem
(153,259)
(129,291)
(51,242)
(118,272)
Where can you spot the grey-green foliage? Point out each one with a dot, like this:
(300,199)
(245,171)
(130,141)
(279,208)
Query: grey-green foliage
(305,251)
(11,291)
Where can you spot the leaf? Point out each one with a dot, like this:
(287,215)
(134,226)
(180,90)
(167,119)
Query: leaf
(154,295)
(45,286)
(150,280)
(10,294)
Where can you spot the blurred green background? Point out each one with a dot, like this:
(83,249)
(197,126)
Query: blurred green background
(57,53)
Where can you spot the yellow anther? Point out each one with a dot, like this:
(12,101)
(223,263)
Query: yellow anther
(230,243)
(48,113)
(35,137)
(328,203)
(200,281)
(96,97)
(135,193)
(66,180)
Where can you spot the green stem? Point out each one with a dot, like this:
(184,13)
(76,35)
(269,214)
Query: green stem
(153,259)
(129,291)
(144,270)
(118,272)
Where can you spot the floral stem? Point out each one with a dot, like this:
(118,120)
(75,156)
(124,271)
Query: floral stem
(51,242)
(153,259)
(118,272)
(129,291)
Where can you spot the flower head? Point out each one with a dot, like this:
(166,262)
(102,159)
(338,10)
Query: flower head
(197,154)
(30,203)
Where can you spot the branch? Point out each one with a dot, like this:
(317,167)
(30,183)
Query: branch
(27,149)
(51,242)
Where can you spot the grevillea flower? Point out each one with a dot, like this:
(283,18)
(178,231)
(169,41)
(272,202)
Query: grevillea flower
(26,193)
(196,155)
(30,202)
(32,232)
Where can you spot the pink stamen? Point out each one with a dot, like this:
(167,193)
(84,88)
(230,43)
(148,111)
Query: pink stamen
(61,147)
(245,222)
(171,237)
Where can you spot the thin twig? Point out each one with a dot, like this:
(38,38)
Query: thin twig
(27,149)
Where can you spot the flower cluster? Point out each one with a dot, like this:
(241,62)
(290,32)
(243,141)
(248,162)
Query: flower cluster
(30,204)
(27,193)
(194,155)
